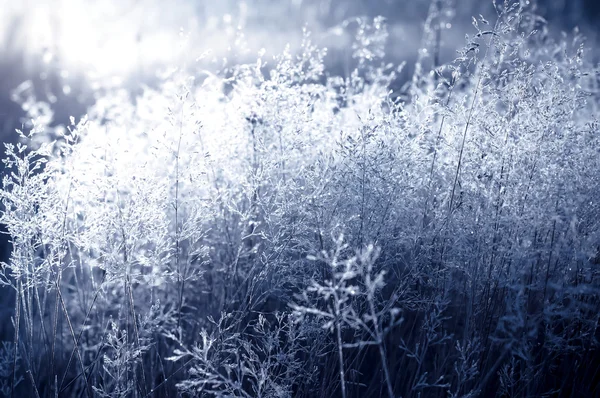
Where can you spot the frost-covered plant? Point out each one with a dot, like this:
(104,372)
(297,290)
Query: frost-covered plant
(201,198)
(262,360)
(348,296)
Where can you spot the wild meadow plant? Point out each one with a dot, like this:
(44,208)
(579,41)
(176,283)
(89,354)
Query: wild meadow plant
(270,230)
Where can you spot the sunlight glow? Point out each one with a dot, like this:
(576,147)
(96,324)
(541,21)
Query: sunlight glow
(105,38)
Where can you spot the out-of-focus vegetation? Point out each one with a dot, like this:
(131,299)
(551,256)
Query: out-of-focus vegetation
(70,49)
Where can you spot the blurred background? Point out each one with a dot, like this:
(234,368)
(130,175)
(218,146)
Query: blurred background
(64,50)
(56,56)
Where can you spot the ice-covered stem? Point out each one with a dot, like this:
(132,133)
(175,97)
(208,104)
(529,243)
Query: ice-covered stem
(372,285)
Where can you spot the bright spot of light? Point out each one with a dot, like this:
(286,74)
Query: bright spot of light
(105,38)
(106,41)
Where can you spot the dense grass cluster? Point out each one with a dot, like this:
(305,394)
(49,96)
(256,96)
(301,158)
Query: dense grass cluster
(270,230)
